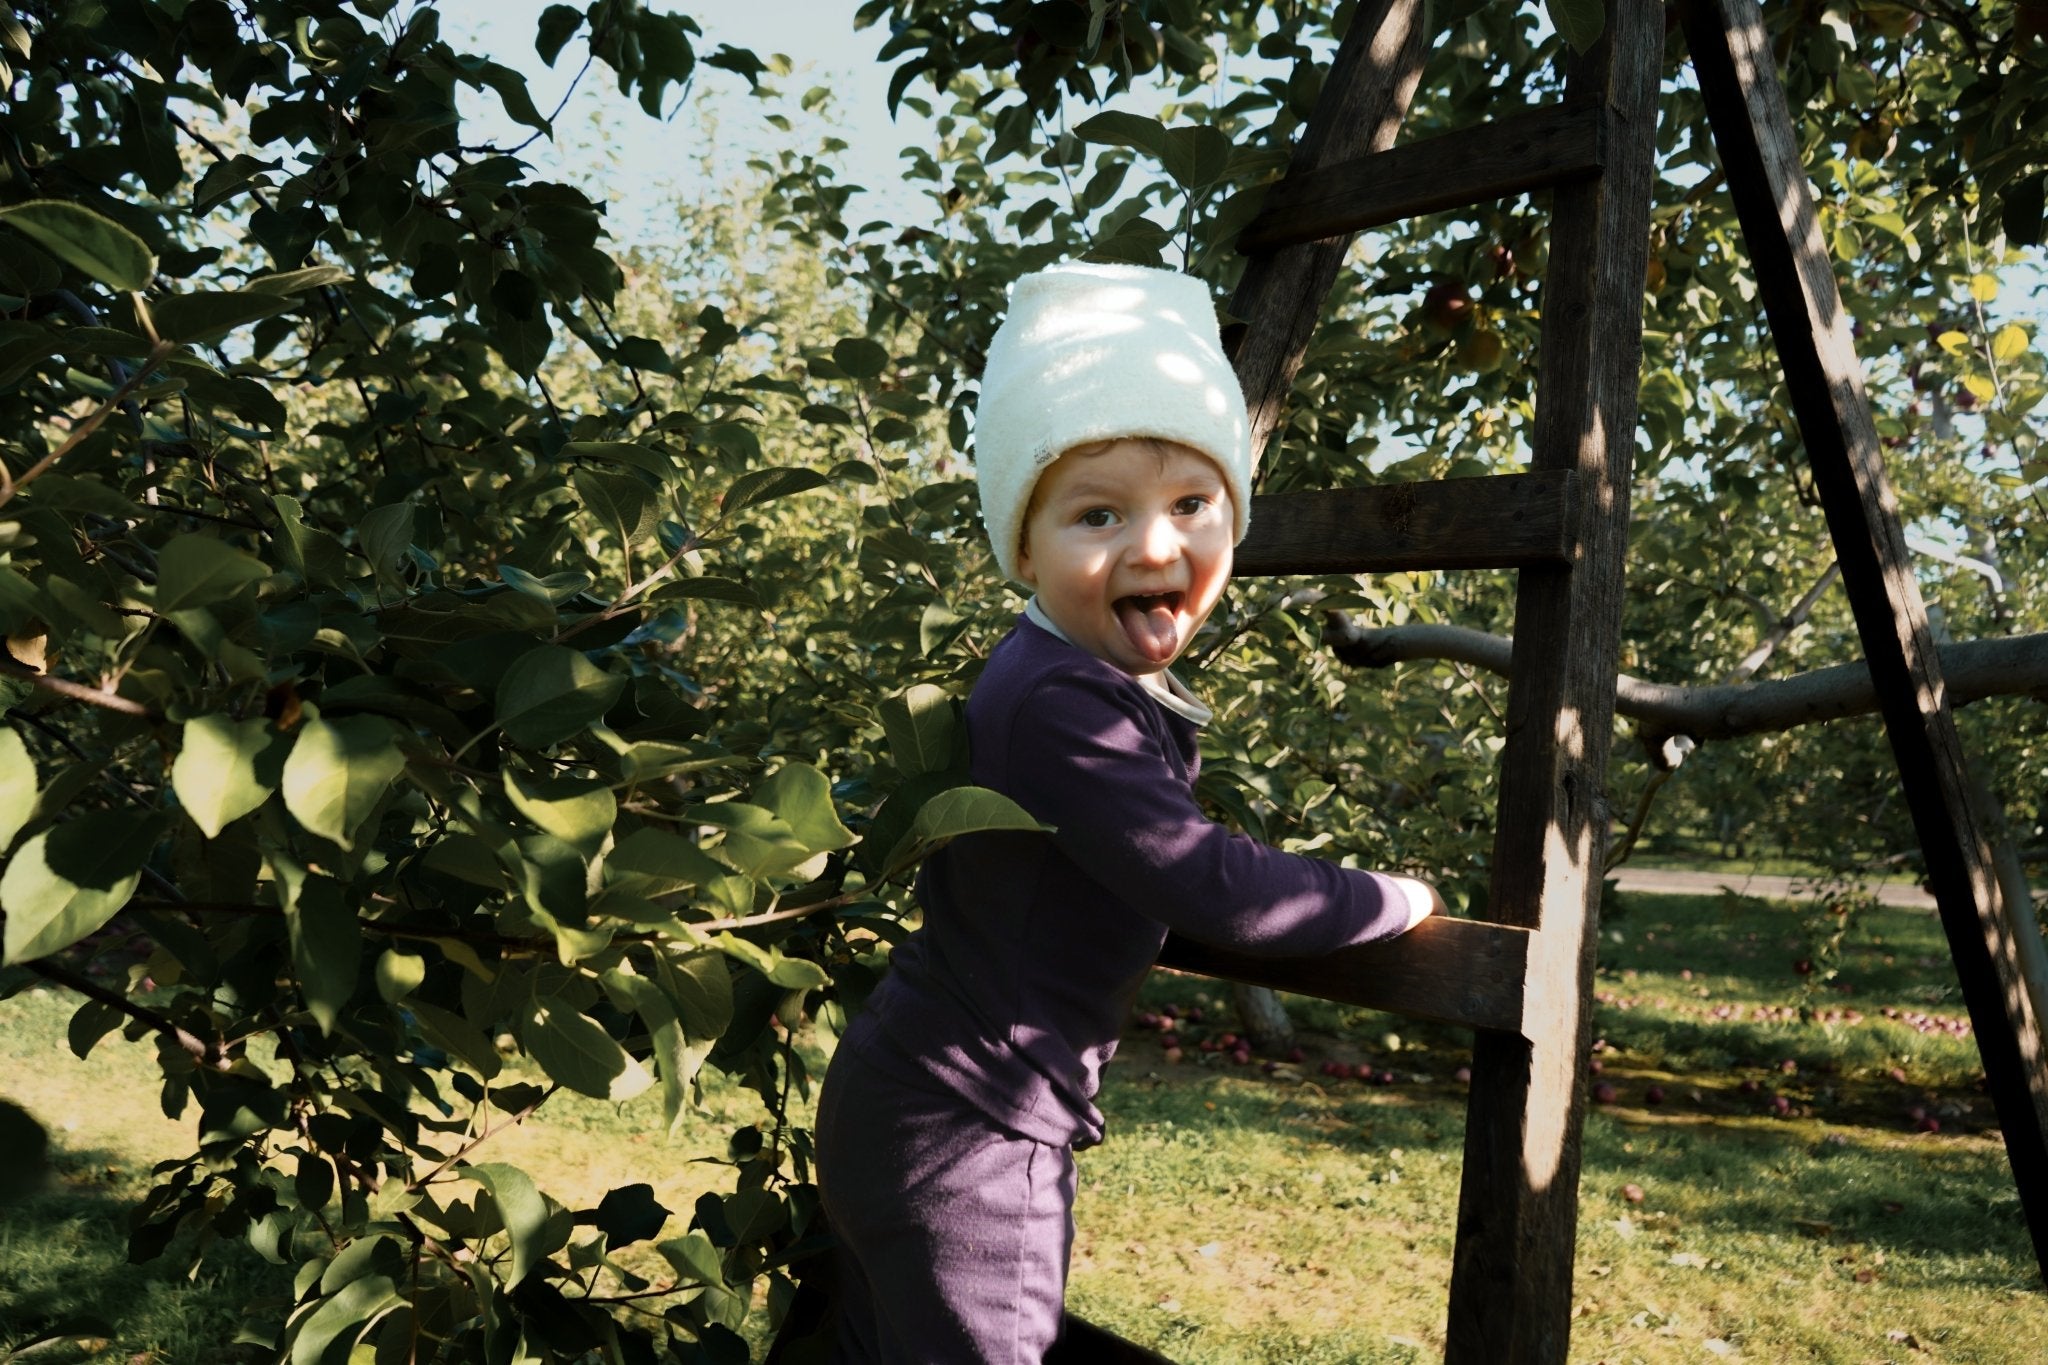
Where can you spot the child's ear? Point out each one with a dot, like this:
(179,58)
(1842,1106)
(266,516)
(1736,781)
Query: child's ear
(1024,570)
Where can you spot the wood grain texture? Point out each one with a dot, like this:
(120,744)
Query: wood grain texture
(1511,1278)
(1501,522)
(1280,294)
(1746,107)
(1532,150)
(1454,971)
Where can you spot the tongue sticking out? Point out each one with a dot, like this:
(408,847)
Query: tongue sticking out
(1150,624)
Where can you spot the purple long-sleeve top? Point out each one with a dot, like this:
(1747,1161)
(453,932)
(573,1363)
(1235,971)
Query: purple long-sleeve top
(1014,990)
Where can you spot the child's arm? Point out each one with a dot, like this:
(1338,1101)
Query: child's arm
(1082,755)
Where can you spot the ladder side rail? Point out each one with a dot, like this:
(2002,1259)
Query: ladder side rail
(1752,129)
(1280,295)
(1511,1276)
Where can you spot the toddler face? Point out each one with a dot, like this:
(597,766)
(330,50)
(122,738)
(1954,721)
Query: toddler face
(1129,547)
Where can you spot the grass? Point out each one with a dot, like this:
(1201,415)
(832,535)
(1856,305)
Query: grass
(1241,1215)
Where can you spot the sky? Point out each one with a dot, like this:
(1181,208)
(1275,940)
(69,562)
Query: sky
(654,158)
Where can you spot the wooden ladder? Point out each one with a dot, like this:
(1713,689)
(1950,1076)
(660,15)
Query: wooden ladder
(1522,979)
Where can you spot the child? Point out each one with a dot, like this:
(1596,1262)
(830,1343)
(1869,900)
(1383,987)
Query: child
(1114,460)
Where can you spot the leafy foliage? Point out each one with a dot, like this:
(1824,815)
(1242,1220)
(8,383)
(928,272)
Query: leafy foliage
(484,663)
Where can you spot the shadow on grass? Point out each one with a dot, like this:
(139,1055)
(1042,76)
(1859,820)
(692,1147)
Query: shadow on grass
(64,1271)
(1842,1166)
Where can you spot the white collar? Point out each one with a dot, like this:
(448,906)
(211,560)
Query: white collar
(1168,690)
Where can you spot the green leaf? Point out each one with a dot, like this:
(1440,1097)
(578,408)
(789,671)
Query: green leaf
(694,1259)
(757,842)
(576,810)
(197,570)
(1196,155)
(74,234)
(860,357)
(337,773)
(513,94)
(17,785)
(299,281)
(654,862)
(922,729)
(521,1209)
(204,317)
(227,768)
(791,973)
(551,693)
(554,590)
(456,1035)
(558,23)
(954,812)
(711,589)
(307,550)
(799,795)
(68,881)
(760,485)
(937,627)
(348,1313)
(1581,22)
(1118,129)
(630,1214)
(700,987)
(574,1049)
(385,533)
(399,974)
(646,459)
(621,503)
(326,939)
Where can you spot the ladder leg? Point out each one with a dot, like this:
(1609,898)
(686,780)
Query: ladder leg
(1753,131)
(1511,1278)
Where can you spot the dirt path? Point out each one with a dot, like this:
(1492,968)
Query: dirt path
(1671,881)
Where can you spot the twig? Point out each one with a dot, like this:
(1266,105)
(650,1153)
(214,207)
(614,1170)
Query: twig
(64,687)
(10,486)
(421,1182)
(208,1055)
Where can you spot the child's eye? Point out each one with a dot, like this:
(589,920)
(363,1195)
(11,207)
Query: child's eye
(1098,517)
(1192,504)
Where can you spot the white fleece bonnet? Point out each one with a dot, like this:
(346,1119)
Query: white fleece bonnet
(1094,353)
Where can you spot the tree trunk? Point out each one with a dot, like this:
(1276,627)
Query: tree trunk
(1263,1018)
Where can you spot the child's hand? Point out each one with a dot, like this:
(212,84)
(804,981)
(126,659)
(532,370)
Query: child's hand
(1423,900)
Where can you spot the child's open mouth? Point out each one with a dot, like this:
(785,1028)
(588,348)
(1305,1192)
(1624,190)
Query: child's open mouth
(1152,621)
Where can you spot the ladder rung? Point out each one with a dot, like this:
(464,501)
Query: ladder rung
(1454,971)
(1528,151)
(1503,521)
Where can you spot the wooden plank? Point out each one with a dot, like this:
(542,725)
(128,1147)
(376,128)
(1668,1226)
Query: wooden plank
(1753,130)
(1280,294)
(1532,150)
(1511,1275)
(1453,971)
(1500,522)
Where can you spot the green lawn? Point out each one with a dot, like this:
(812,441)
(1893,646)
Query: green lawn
(1294,1217)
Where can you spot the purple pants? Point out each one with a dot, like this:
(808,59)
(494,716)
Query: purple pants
(954,1233)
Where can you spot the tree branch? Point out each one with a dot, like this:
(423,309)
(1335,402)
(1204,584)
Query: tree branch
(1972,670)
(64,687)
(208,1055)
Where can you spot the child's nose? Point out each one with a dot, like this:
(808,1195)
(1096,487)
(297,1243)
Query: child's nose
(1159,541)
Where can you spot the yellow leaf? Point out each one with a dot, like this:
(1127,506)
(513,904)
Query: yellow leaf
(2010,342)
(1983,288)
(1979,387)
(1952,341)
